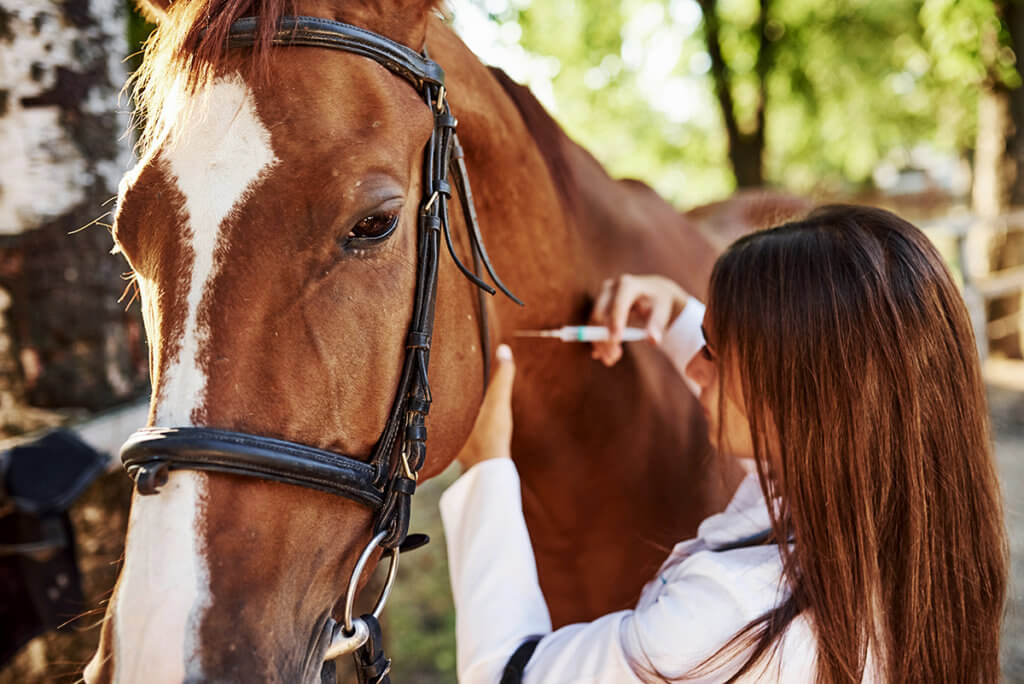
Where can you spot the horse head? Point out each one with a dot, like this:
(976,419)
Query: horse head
(272,227)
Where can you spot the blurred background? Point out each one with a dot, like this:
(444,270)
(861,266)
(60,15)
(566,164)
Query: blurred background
(912,105)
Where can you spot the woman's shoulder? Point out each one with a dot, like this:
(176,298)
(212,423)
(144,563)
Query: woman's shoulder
(755,566)
(706,600)
(734,552)
(695,606)
(749,578)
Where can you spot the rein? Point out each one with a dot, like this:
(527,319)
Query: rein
(385,483)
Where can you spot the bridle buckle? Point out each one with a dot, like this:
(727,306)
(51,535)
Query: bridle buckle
(409,472)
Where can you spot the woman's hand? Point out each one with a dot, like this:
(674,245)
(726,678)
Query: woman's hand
(492,432)
(652,301)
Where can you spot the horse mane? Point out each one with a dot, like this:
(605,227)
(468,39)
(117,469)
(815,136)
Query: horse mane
(189,47)
(556,145)
(551,140)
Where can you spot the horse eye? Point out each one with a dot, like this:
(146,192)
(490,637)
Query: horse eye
(374,227)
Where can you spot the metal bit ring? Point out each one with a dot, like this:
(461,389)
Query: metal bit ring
(357,572)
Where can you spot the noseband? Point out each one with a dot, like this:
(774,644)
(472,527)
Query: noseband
(386,483)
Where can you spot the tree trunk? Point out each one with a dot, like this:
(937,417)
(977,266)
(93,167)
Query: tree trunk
(65,342)
(999,178)
(746,148)
(990,193)
(1013,20)
(62,151)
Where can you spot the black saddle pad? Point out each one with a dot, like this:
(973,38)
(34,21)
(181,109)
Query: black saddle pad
(40,585)
(47,475)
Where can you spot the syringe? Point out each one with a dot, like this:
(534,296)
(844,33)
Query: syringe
(585,333)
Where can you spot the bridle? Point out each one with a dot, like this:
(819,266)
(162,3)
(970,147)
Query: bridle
(386,483)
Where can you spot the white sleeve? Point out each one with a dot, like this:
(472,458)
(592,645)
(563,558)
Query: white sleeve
(683,339)
(498,602)
(688,622)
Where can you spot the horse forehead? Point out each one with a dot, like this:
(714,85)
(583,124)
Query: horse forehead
(223,151)
(217,153)
(331,103)
(314,105)
(333,112)
(215,145)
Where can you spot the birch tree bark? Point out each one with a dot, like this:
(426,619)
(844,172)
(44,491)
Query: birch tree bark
(63,149)
(65,341)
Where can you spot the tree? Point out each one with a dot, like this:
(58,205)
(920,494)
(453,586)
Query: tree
(1012,16)
(698,97)
(976,43)
(1009,250)
(65,341)
(746,143)
(70,344)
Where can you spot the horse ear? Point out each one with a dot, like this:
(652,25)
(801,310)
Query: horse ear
(153,10)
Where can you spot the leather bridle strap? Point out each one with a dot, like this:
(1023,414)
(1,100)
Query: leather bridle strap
(385,483)
(461,181)
(235,452)
(315,32)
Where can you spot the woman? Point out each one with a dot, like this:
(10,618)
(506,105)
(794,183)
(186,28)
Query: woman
(867,544)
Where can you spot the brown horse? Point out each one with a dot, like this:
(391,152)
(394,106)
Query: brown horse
(264,316)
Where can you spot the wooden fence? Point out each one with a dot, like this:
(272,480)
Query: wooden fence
(968,239)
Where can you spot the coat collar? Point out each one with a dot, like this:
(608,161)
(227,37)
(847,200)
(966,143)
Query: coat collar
(743,522)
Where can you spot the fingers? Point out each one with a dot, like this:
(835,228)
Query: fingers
(499,391)
(661,311)
(626,296)
(491,436)
(599,314)
(603,351)
(651,300)
(617,298)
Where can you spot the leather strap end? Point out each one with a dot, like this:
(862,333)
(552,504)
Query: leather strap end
(416,433)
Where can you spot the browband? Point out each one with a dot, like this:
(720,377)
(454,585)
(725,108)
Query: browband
(386,483)
(314,32)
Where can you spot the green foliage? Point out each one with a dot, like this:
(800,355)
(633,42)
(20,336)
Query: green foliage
(845,91)
(599,90)
(137,32)
(419,620)
(969,42)
(969,47)
(851,83)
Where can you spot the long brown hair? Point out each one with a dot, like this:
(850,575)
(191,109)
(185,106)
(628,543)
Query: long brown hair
(855,352)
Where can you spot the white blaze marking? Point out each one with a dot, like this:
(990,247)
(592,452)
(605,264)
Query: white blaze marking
(164,586)
(222,151)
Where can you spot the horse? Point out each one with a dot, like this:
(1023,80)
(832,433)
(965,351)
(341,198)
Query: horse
(272,226)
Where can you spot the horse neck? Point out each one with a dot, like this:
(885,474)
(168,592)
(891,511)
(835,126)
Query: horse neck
(548,207)
(556,226)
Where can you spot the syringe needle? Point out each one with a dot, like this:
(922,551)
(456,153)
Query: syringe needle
(585,333)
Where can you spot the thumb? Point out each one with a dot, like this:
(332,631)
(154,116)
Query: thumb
(504,375)
(658,322)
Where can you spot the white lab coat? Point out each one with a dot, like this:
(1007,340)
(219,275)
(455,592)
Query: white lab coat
(700,598)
